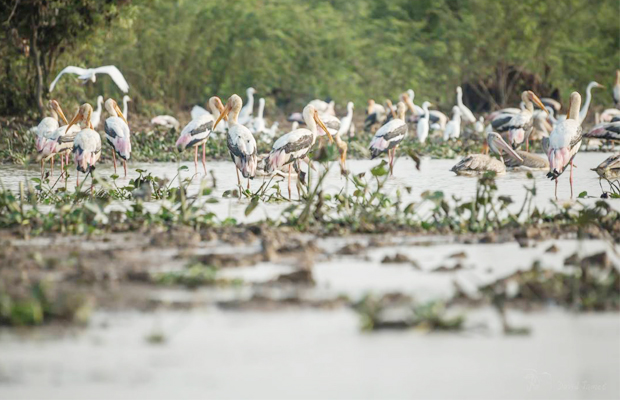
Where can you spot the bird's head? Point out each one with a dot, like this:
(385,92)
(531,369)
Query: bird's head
(113,109)
(310,113)
(55,106)
(390,107)
(497,145)
(215,104)
(405,98)
(233,104)
(530,97)
(83,115)
(371,104)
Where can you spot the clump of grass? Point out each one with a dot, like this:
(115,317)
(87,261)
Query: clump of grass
(191,276)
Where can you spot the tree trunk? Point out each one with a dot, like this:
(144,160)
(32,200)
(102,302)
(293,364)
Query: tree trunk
(34,51)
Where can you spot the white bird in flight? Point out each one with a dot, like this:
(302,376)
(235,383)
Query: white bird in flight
(88,74)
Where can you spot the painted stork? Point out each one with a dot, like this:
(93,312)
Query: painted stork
(616,90)
(194,134)
(519,126)
(198,111)
(551,103)
(476,164)
(296,144)
(375,114)
(44,130)
(564,142)
(610,168)
(241,143)
(259,122)
(466,113)
(453,127)
(423,123)
(95,118)
(88,74)
(87,144)
(389,136)
(323,107)
(583,113)
(245,115)
(117,133)
(417,110)
(605,131)
(61,142)
(346,121)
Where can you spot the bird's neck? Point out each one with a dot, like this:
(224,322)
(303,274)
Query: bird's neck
(584,110)
(261,109)
(574,110)
(234,114)
(125,107)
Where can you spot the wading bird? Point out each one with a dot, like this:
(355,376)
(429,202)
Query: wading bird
(61,142)
(126,99)
(423,123)
(610,168)
(296,144)
(564,142)
(605,131)
(375,114)
(117,133)
(167,121)
(196,133)
(245,115)
(466,113)
(95,118)
(258,125)
(518,126)
(346,121)
(528,162)
(241,143)
(476,164)
(583,113)
(453,127)
(89,74)
(44,130)
(323,107)
(389,136)
(87,144)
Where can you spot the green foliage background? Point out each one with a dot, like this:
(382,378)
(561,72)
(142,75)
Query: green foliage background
(176,53)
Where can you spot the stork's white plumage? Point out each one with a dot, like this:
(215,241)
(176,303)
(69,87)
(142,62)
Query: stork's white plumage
(423,123)
(605,131)
(196,133)
(59,141)
(517,127)
(95,117)
(417,109)
(564,142)
(45,130)
(323,107)
(389,136)
(198,111)
(583,113)
(240,141)
(453,127)
(245,115)
(89,74)
(466,113)
(87,143)
(117,133)
(375,114)
(126,99)
(296,144)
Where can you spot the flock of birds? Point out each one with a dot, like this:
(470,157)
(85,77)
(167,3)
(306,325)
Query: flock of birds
(506,131)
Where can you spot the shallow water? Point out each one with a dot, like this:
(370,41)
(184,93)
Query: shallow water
(434,175)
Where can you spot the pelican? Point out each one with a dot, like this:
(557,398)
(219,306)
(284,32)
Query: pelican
(87,144)
(296,144)
(194,134)
(117,133)
(126,99)
(466,113)
(564,142)
(240,141)
(519,126)
(610,168)
(389,136)
(375,114)
(245,115)
(167,121)
(259,121)
(423,123)
(89,74)
(475,164)
(61,141)
(528,162)
(45,130)
(583,113)
(95,118)
(453,127)
(346,121)
(616,91)
(605,130)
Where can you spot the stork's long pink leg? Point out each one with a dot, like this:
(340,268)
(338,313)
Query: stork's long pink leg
(556,188)
(125,167)
(196,158)
(52,166)
(77,178)
(42,169)
(204,156)
(571,179)
(114,159)
(62,165)
(289,181)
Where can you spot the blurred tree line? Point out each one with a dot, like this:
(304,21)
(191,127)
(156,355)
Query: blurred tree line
(177,53)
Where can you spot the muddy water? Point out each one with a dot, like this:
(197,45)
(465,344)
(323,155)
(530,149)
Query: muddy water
(434,175)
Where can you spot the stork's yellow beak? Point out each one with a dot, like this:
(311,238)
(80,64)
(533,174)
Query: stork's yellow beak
(224,114)
(75,120)
(58,110)
(391,108)
(538,102)
(120,113)
(322,125)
